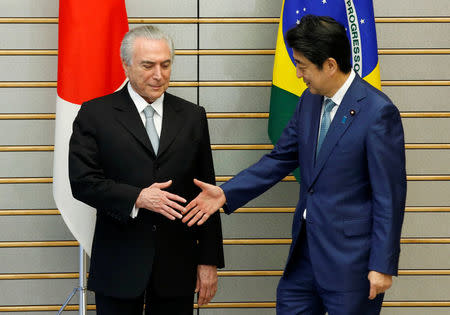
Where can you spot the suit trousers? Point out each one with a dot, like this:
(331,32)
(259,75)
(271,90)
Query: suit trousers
(299,293)
(154,305)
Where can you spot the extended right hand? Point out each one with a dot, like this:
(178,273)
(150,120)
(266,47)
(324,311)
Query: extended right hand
(155,199)
(205,204)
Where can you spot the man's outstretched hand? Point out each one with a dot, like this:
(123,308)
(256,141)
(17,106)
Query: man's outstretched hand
(211,199)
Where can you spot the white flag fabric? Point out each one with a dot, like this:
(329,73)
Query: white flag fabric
(89,66)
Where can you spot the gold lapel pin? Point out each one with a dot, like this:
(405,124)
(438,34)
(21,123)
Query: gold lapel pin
(352,112)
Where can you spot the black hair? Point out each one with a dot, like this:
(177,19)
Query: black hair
(319,38)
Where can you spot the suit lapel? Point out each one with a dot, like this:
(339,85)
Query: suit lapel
(345,115)
(128,116)
(172,122)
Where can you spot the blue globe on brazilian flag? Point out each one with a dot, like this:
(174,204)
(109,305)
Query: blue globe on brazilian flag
(358,19)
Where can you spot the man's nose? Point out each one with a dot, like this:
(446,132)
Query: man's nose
(157,72)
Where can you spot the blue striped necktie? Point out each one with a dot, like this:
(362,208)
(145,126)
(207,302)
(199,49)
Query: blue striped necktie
(149,111)
(325,123)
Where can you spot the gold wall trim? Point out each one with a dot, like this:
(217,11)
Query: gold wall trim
(224,20)
(38,180)
(91,307)
(42,84)
(221,273)
(214,52)
(225,115)
(256,210)
(38,148)
(12,212)
(25,180)
(26,148)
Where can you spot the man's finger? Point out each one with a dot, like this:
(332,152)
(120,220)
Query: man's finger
(174,197)
(163,185)
(200,184)
(190,214)
(195,219)
(191,205)
(373,292)
(203,219)
(166,213)
(172,212)
(175,206)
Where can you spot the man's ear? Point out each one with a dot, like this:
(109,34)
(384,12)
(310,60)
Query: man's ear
(125,67)
(331,66)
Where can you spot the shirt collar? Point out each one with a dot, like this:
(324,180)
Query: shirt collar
(339,95)
(141,104)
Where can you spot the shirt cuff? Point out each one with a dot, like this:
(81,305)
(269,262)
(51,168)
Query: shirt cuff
(134,212)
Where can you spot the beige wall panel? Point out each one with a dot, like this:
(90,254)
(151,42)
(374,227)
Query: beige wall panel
(414,67)
(239,8)
(28,68)
(43,100)
(236,68)
(29,8)
(428,193)
(414,311)
(419,288)
(188,93)
(171,8)
(257,257)
(39,259)
(426,225)
(236,311)
(44,68)
(235,99)
(27,132)
(29,36)
(234,131)
(45,36)
(257,225)
(184,36)
(26,196)
(27,100)
(426,130)
(418,162)
(26,164)
(250,289)
(428,162)
(273,257)
(36,292)
(238,36)
(413,35)
(384,8)
(34,228)
(419,98)
(384,311)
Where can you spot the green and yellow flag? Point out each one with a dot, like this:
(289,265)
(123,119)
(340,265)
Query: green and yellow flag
(358,19)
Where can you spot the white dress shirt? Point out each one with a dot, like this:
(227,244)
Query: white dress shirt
(337,99)
(141,104)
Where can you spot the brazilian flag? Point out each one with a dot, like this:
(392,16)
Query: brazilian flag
(358,19)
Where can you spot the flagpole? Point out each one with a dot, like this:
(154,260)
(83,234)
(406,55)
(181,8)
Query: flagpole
(82,281)
(81,285)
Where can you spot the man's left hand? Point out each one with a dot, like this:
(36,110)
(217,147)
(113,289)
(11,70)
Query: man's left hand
(206,283)
(379,283)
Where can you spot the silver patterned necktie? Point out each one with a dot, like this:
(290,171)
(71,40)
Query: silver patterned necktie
(325,123)
(149,111)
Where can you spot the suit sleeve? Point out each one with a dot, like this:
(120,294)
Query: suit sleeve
(386,162)
(269,170)
(210,238)
(87,178)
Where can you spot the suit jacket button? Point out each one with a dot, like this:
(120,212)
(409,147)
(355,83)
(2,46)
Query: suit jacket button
(153,228)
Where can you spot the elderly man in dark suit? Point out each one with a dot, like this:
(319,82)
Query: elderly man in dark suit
(133,156)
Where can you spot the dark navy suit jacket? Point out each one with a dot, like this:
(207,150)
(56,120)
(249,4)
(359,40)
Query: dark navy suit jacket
(354,192)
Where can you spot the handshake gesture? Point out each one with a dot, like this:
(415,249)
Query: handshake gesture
(211,199)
